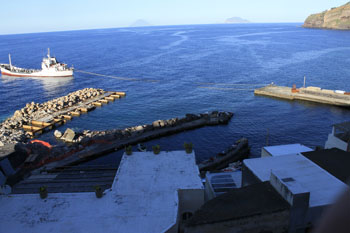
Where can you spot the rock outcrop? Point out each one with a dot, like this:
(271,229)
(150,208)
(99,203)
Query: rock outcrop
(335,18)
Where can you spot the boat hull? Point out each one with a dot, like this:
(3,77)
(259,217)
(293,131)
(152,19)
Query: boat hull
(47,74)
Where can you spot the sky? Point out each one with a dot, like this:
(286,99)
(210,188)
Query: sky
(26,16)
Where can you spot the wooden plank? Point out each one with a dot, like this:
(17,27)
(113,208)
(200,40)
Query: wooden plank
(75,113)
(97,103)
(109,98)
(40,123)
(31,128)
(120,93)
(67,117)
(115,96)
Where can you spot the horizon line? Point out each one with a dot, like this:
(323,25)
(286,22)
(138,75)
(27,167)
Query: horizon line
(165,25)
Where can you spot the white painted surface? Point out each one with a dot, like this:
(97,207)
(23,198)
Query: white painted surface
(334,142)
(323,187)
(143,198)
(284,150)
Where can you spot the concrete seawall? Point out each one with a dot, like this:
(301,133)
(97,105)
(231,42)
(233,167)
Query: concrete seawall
(312,94)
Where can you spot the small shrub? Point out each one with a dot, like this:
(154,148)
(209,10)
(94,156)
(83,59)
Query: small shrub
(98,191)
(188,147)
(128,150)
(156,149)
(43,192)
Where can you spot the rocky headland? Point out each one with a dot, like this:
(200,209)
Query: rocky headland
(335,18)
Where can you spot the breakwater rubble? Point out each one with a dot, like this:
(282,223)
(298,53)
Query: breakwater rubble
(87,145)
(11,131)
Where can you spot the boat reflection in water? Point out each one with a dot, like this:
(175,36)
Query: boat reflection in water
(51,85)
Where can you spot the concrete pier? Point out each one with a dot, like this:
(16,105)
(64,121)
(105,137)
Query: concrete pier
(312,94)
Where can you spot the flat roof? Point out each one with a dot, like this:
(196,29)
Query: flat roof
(247,201)
(334,161)
(286,149)
(143,198)
(323,187)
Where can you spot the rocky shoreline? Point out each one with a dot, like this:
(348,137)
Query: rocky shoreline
(11,131)
(334,18)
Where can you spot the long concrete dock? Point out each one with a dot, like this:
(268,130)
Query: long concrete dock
(312,94)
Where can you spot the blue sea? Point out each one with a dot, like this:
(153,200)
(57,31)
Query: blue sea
(169,71)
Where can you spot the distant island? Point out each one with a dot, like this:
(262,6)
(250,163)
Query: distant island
(335,18)
(236,20)
(140,23)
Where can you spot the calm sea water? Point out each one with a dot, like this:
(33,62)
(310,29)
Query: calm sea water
(197,68)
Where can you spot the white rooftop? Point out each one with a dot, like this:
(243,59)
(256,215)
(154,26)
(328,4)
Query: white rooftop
(143,198)
(323,187)
(286,149)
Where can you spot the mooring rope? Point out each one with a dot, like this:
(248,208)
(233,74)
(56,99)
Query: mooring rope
(209,85)
(120,78)
(234,84)
(227,88)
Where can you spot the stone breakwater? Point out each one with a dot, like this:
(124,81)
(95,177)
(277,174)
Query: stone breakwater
(11,131)
(88,145)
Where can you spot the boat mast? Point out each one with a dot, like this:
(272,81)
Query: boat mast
(10,61)
(48,52)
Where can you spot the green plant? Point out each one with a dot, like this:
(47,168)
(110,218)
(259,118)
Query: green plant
(98,191)
(128,150)
(188,147)
(156,149)
(43,192)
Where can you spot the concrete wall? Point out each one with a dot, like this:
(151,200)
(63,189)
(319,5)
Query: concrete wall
(209,192)
(296,195)
(248,177)
(264,153)
(190,200)
(334,142)
(274,222)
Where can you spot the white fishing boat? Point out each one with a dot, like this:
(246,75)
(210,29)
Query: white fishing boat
(50,67)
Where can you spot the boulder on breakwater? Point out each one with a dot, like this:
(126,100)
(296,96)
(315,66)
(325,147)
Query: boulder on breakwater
(11,131)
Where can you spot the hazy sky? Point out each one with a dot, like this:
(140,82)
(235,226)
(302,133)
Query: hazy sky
(23,16)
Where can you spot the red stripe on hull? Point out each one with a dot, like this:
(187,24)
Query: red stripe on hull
(18,75)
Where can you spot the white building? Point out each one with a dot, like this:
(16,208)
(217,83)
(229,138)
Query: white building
(150,193)
(307,187)
(284,150)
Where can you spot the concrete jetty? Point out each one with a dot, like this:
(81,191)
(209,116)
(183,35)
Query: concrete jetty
(312,94)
